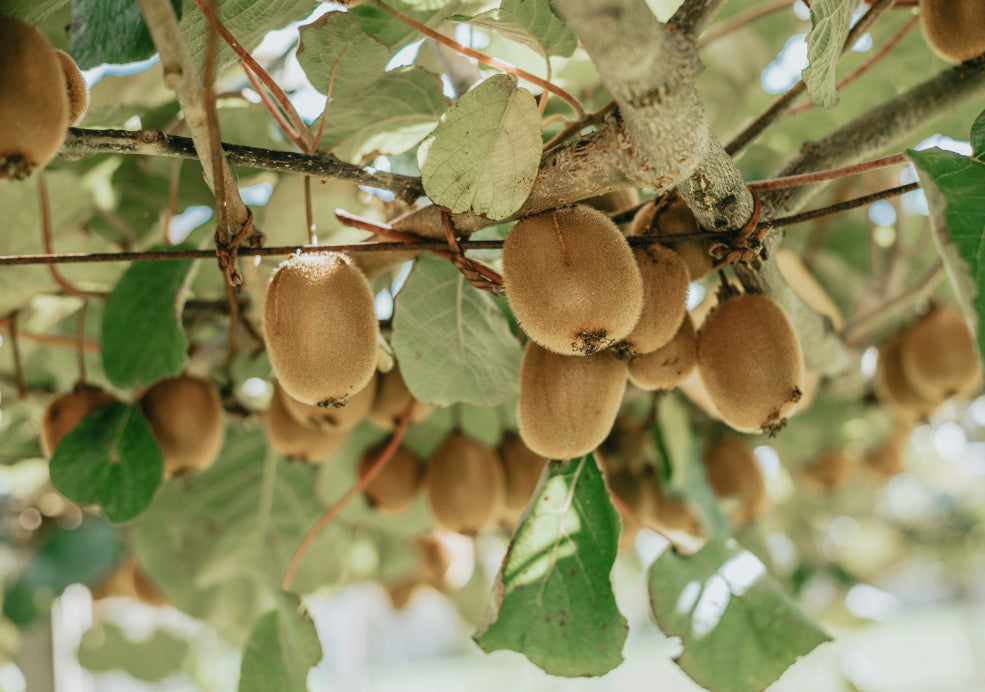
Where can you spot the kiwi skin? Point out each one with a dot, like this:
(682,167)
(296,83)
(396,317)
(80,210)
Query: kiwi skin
(937,355)
(894,389)
(295,440)
(750,362)
(887,459)
(522,470)
(953,28)
(674,218)
(571,280)
(391,399)
(78,92)
(395,487)
(185,415)
(670,364)
(465,484)
(567,406)
(338,419)
(65,412)
(320,328)
(733,470)
(665,282)
(829,471)
(34,110)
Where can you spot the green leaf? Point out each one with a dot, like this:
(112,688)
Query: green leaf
(106,647)
(110,457)
(32,11)
(483,155)
(110,31)
(247,20)
(282,647)
(393,33)
(955,188)
(533,23)
(738,628)
(553,597)
(452,342)
(393,115)
(830,21)
(978,137)
(338,56)
(217,544)
(142,339)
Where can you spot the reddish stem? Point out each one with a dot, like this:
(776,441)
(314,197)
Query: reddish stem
(49,246)
(830,174)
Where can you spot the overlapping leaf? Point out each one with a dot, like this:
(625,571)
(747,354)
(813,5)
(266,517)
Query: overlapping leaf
(553,597)
(738,628)
(533,23)
(338,56)
(282,647)
(831,21)
(452,342)
(483,155)
(110,31)
(395,34)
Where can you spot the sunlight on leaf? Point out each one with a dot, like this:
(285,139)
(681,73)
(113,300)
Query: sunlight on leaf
(532,23)
(831,22)
(337,55)
(282,647)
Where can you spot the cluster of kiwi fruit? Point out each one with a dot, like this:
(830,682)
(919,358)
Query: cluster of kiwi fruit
(45,95)
(952,28)
(184,414)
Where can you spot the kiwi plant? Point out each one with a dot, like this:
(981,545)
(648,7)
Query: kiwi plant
(952,28)
(185,415)
(750,362)
(395,487)
(34,112)
(320,328)
(64,412)
(571,280)
(937,355)
(465,484)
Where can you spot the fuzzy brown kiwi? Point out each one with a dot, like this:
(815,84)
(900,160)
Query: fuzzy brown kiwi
(34,109)
(337,419)
(674,218)
(796,273)
(395,487)
(830,470)
(320,328)
(665,282)
(63,413)
(887,459)
(670,364)
(672,518)
(464,481)
(297,441)
(185,415)
(129,580)
(391,399)
(953,28)
(522,469)
(894,389)
(750,362)
(78,92)
(615,201)
(571,280)
(733,470)
(937,355)
(566,406)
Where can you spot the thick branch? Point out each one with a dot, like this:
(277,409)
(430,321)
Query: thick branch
(80,143)
(694,16)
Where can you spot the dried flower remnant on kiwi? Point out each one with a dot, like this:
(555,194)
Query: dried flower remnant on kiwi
(321,328)
(571,280)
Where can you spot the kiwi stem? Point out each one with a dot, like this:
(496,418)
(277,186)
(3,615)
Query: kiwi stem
(484,59)
(49,340)
(274,111)
(16,355)
(48,245)
(829,174)
(80,340)
(359,487)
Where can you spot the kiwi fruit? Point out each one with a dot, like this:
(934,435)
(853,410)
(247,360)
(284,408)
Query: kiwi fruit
(670,364)
(395,487)
(674,218)
(401,593)
(320,328)
(672,518)
(571,280)
(391,399)
(295,440)
(665,282)
(953,28)
(803,283)
(34,109)
(887,459)
(830,470)
(615,201)
(894,389)
(750,362)
(733,470)
(566,406)
(185,415)
(465,484)
(63,413)
(78,92)
(937,355)
(522,469)
(338,419)
(129,580)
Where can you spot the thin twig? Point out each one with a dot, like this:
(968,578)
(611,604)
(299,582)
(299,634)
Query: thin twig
(273,110)
(308,213)
(865,324)
(830,174)
(49,245)
(80,340)
(841,206)
(741,19)
(359,487)
(16,354)
(484,59)
(52,340)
